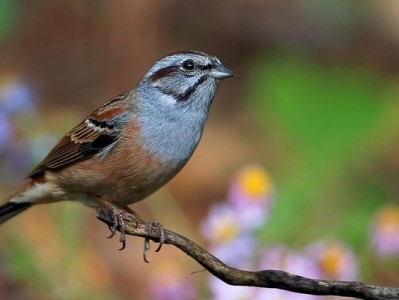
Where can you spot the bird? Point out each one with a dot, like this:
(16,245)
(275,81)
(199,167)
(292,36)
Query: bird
(132,145)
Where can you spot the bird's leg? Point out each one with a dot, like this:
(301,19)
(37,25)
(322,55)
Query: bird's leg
(119,215)
(153,226)
(133,216)
(112,228)
(118,219)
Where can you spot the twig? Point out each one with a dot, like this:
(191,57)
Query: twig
(265,278)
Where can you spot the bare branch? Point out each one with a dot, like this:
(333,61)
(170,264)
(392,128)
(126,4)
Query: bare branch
(265,278)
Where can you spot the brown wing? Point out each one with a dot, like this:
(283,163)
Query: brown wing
(97,132)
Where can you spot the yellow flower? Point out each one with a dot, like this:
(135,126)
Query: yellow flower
(335,260)
(332,260)
(255,182)
(226,231)
(387,219)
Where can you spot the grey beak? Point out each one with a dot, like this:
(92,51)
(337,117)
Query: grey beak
(220,72)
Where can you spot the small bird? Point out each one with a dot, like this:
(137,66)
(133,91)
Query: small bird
(132,145)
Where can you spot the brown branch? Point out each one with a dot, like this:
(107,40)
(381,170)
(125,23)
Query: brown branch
(266,278)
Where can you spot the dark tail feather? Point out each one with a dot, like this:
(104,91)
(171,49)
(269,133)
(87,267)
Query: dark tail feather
(10,209)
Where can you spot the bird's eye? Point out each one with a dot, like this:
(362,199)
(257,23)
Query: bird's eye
(188,65)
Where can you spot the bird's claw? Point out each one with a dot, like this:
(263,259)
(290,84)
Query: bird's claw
(118,216)
(151,226)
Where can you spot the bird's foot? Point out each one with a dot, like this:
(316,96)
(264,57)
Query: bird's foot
(153,227)
(119,216)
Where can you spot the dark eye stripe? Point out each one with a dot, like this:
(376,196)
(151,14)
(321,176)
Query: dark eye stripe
(206,67)
(164,72)
(184,96)
(167,71)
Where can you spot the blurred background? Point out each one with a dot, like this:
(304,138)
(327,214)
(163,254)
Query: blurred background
(298,168)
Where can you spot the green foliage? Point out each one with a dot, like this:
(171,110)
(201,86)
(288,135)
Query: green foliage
(325,120)
(8,15)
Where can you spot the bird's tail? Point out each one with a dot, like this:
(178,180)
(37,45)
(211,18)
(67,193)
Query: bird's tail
(11,209)
(34,190)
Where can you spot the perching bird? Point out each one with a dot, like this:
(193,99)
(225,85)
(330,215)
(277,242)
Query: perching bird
(132,145)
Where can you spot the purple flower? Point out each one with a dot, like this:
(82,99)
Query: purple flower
(229,241)
(238,252)
(385,231)
(250,195)
(276,294)
(246,209)
(224,291)
(229,228)
(171,283)
(5,131)
(221,226)
(334,259)
(16,97)
(280,257)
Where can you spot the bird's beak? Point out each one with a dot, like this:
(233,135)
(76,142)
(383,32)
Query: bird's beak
(220,72)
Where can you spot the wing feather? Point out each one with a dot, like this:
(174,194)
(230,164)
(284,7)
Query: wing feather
(96,133)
